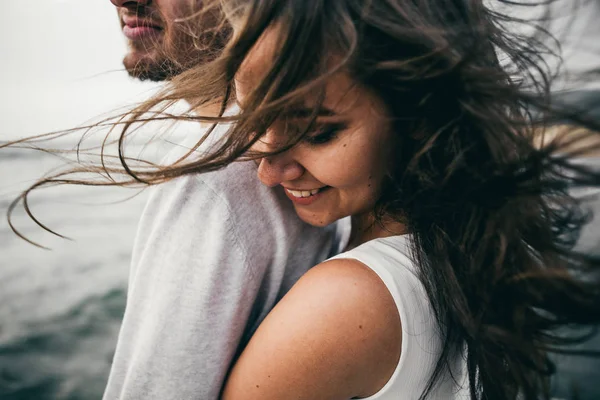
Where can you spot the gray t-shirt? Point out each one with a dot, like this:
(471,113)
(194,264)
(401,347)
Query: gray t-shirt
(213,255)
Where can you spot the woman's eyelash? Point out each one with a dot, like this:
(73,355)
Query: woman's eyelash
(324,134)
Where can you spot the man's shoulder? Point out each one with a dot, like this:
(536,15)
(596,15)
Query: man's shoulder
(222,210)
(233,179)
(235,186)
(230,197)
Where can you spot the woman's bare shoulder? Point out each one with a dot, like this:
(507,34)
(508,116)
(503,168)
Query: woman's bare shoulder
(336,334)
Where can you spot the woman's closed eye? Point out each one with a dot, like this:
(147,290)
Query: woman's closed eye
(324,133)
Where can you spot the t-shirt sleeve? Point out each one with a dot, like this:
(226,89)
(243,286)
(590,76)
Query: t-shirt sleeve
(190,294)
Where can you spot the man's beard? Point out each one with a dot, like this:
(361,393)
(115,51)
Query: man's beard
(155,69)
(176,50)
(174,53)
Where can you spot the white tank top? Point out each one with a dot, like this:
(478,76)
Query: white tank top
(390,259)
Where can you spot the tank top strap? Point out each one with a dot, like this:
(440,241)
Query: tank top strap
(391,260)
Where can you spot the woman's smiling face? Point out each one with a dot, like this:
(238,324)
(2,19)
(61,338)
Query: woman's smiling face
(338,169)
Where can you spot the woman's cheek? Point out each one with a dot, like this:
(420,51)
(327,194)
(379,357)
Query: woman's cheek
(337,169)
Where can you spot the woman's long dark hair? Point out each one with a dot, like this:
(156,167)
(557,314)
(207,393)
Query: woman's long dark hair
(483,190)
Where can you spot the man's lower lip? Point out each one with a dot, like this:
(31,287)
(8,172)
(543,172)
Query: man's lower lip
(305,201)
(140,32)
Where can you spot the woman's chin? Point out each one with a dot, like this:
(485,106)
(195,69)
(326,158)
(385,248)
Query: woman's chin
(316,219)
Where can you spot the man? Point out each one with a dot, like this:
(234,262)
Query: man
(214,252)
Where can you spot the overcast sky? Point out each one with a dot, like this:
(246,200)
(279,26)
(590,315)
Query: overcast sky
(61,62)
(60,65)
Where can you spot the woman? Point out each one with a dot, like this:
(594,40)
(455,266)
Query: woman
(459,266)
(400,115)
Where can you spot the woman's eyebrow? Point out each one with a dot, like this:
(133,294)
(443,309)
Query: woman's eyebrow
(301,113)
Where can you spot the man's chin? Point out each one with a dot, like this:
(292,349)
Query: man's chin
(149,68)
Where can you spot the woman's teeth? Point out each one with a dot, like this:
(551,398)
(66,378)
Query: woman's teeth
(303,193)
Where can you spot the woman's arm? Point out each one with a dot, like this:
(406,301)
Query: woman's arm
(335,335)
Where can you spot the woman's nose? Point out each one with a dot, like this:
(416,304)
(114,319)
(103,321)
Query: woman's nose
(277,169)
(273,170)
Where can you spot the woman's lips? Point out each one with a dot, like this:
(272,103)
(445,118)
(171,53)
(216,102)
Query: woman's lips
(305,197)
